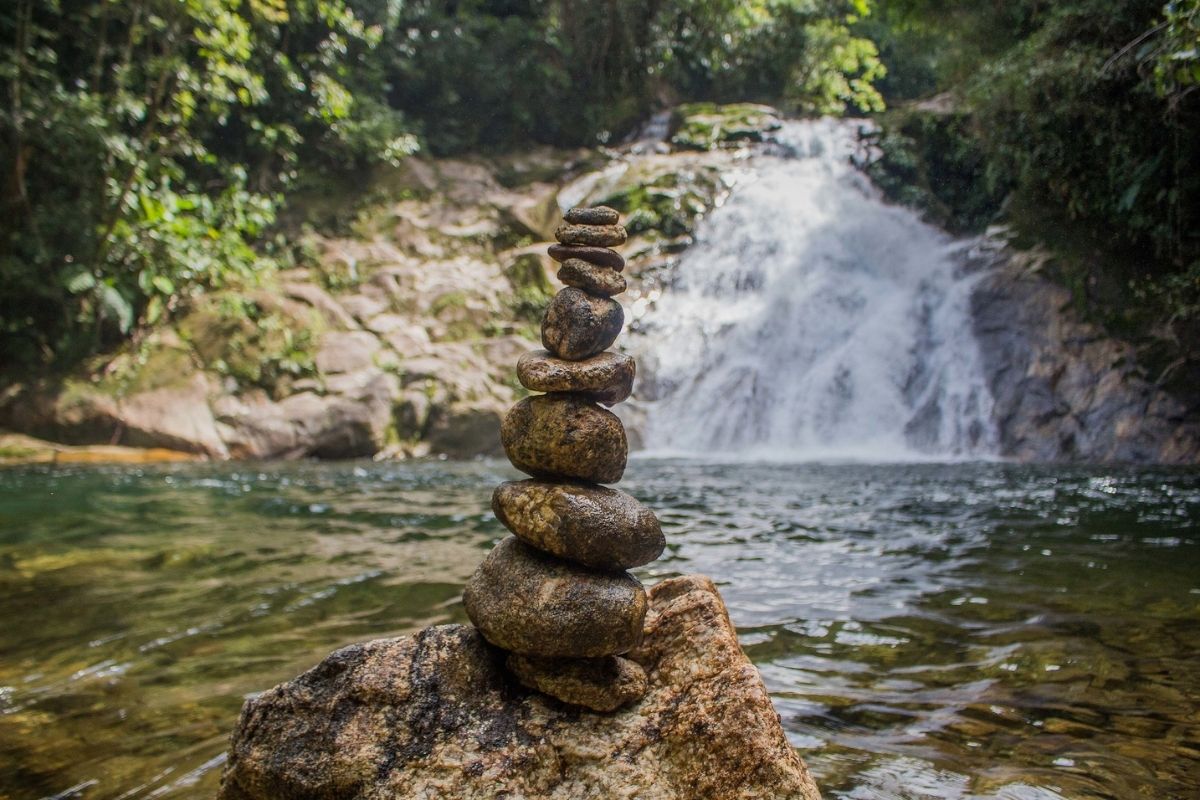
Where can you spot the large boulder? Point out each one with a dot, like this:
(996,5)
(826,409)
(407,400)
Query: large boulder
(437,715)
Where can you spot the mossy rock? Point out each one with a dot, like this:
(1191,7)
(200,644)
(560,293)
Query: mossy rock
(706,126)
(255,340)
(668,202)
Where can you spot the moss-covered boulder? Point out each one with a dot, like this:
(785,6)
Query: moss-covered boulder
(705,126)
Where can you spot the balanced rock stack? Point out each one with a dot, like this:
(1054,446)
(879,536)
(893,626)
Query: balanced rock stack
(556,595)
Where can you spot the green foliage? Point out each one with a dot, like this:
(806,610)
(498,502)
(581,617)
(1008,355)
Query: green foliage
(1174,49)
(145,143)
(1084,113)
(933,161)
(146,146)
(838,70)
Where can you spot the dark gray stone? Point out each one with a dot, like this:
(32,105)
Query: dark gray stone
(527,602)
(578,325)
(596,215)
(592,279)
(601,684)
(601,256)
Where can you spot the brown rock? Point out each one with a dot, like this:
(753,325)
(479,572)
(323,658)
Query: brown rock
(578,325)
(527,602)
(597,215)
(561,436)
(592,525)
(601,256)
(437,715)
(591,235)
(601,684)
(591,278)
(606,378)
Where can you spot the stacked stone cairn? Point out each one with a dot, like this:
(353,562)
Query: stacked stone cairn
(556,594)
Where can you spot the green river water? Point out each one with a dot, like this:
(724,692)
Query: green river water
(926,631)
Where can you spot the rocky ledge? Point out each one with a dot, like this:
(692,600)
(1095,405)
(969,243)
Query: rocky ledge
(437,715)
(1063,389)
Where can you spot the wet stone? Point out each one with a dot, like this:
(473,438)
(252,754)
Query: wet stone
(605,378)
(600,684)
(530,603)
(564,436)
(591,278)
(578,325)
(600,256)
(590,525)
(591,235)
(596,215)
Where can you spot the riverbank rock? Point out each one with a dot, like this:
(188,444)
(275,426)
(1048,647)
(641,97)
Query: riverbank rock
(437,715)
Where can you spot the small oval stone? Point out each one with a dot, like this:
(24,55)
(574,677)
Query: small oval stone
(593,235)
(578,325)
(590,525)
(596,215)
(601,256)
(533,604)
(601,684)
(564,436)
(605,378)
(591,278)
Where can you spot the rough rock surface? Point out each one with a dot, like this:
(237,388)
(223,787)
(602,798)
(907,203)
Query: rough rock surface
(436,715)
(591,278)
(579,325)
(591,525)
(598,215)
(561,436)
(591,235)
(606,377)
(601,684)
(1063,390)
(527,602)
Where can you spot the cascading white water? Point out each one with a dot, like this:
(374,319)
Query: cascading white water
(812,320)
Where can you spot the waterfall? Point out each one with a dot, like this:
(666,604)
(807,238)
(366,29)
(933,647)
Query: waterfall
(813,320)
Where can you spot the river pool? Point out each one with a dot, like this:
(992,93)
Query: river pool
(926,631)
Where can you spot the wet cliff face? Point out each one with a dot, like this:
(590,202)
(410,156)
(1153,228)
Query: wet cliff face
(1062,389)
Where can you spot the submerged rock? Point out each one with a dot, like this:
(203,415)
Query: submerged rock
(531,603)
(601,684)
(591,525)
(562,436)
(578,325)
(437,715)
(606,377)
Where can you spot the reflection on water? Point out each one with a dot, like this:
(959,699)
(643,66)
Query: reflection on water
(931,631)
